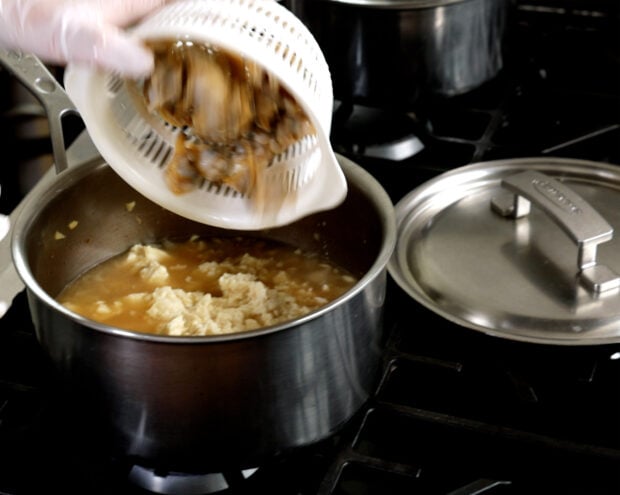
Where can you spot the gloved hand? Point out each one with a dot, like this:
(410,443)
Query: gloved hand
(80,31)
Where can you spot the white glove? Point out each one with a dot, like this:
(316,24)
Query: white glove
(80,31)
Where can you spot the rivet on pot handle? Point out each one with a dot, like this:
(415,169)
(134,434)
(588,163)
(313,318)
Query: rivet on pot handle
(571,212)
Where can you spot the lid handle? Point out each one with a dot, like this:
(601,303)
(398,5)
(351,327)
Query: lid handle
(583,224)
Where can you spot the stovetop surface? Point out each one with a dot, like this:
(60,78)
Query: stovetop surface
(456,412)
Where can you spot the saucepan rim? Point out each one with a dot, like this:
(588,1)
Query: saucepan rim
(35,202)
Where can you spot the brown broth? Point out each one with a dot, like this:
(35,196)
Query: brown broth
(206,286)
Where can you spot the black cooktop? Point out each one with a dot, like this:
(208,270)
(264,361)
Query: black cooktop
(457,412)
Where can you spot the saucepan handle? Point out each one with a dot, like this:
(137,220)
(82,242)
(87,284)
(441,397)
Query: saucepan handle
(36,78)
(583,224)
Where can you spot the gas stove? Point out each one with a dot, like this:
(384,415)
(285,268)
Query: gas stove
(456,411)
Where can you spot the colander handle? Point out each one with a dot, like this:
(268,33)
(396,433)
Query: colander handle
(37,79)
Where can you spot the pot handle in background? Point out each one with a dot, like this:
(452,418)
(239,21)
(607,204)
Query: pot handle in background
(40,82)
(479,486)
(583,224)
(35,76)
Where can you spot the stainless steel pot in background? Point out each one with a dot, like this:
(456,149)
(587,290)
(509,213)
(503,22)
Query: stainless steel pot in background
(392,51)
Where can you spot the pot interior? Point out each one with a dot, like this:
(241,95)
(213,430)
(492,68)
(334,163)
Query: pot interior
(90,214)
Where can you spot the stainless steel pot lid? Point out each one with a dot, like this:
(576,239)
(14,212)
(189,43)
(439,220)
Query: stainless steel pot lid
(523,249)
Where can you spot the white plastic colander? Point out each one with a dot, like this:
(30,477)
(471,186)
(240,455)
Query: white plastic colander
(306,178)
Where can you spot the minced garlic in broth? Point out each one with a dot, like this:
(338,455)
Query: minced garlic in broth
(206,286)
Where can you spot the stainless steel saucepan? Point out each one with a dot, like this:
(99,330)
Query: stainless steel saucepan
(199,404)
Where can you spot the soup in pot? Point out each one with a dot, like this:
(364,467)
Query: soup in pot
(206,286)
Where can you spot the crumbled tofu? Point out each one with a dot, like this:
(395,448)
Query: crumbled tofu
(73,224)
(58,235)
(201,288)
(141,252)
(210,268)
(147,260)
(245,304)
(154,272)
(130,206)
